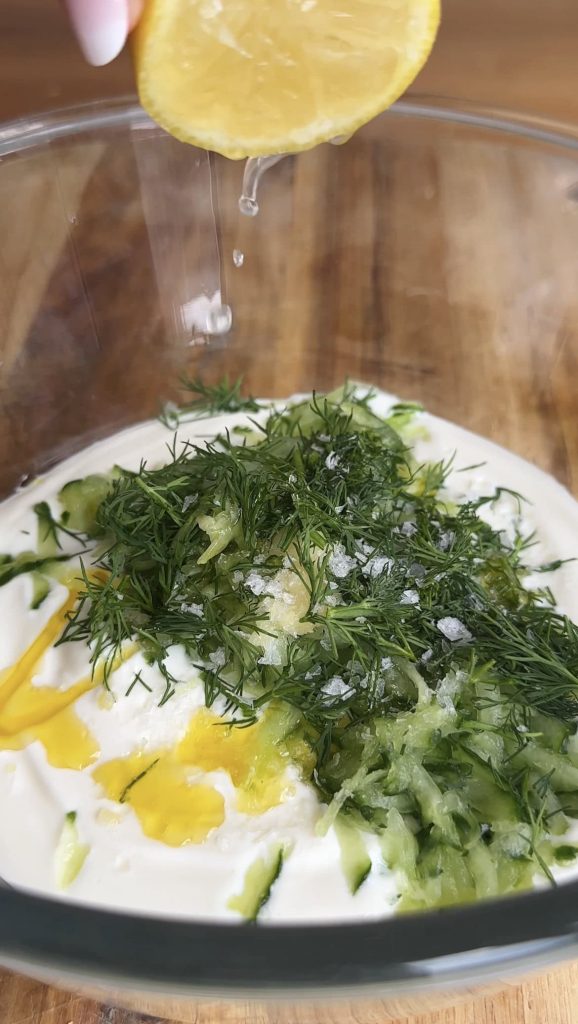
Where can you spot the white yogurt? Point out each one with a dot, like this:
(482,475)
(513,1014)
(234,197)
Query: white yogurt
(124,868)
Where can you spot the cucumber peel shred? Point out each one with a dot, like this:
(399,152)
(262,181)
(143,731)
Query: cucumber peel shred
(70,853)
(258,883)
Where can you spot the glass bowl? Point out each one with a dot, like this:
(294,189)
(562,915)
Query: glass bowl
(433,255)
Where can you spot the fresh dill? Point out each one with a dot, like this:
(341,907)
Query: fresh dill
(133,782)
(438,690)
(137,680)
(209,400)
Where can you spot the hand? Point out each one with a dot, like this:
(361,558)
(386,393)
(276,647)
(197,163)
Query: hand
(101,26)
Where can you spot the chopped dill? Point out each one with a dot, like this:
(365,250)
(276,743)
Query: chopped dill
(137,680)
(209,400)
(438,691)
(130,785)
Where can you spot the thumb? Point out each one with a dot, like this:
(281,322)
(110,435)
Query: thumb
(101,27)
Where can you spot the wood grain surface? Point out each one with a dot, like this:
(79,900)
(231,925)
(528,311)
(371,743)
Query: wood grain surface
(509,53)
(511,327)
(550,998)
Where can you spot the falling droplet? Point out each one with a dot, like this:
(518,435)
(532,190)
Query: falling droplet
(340,140)
(219,320)
(238,257)
(254,170)
(248,207)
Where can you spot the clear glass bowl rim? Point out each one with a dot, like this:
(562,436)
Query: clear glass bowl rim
(196,958)
(26,132)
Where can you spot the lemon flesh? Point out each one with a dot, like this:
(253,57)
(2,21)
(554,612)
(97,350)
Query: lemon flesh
(259,77)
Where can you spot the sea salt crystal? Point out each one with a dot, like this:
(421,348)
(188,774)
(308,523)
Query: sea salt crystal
(336,687)
(377,565)
(256,583)
(193,609)
(275,589)
(446,540)
(364,550)
(409,597)
(453,629)
(371,563)
(237,577)
(189,500)
(340,563)
(408,529)
(386,664)
(426,656)
(217,659)
(332,461)
(273,656)
(313,672)
(447,690)
(260,585)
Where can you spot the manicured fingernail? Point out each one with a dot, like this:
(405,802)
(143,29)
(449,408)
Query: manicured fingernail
(101,27)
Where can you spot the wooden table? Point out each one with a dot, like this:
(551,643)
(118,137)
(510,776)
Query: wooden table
(550,998)
(519,54)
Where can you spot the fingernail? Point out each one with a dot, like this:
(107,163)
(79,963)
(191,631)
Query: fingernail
(101,27)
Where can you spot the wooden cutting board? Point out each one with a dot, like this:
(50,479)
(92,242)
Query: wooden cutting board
(550,998)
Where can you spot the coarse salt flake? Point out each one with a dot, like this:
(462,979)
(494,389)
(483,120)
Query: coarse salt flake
(192,609)
(340,563)
(256,583)
(408,528)
(446,540)
(217,659)
(336,687)
(453,629)
(377,565)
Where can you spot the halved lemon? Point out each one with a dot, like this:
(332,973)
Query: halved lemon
(258,77)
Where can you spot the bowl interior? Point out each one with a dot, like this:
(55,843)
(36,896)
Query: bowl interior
(432,258)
